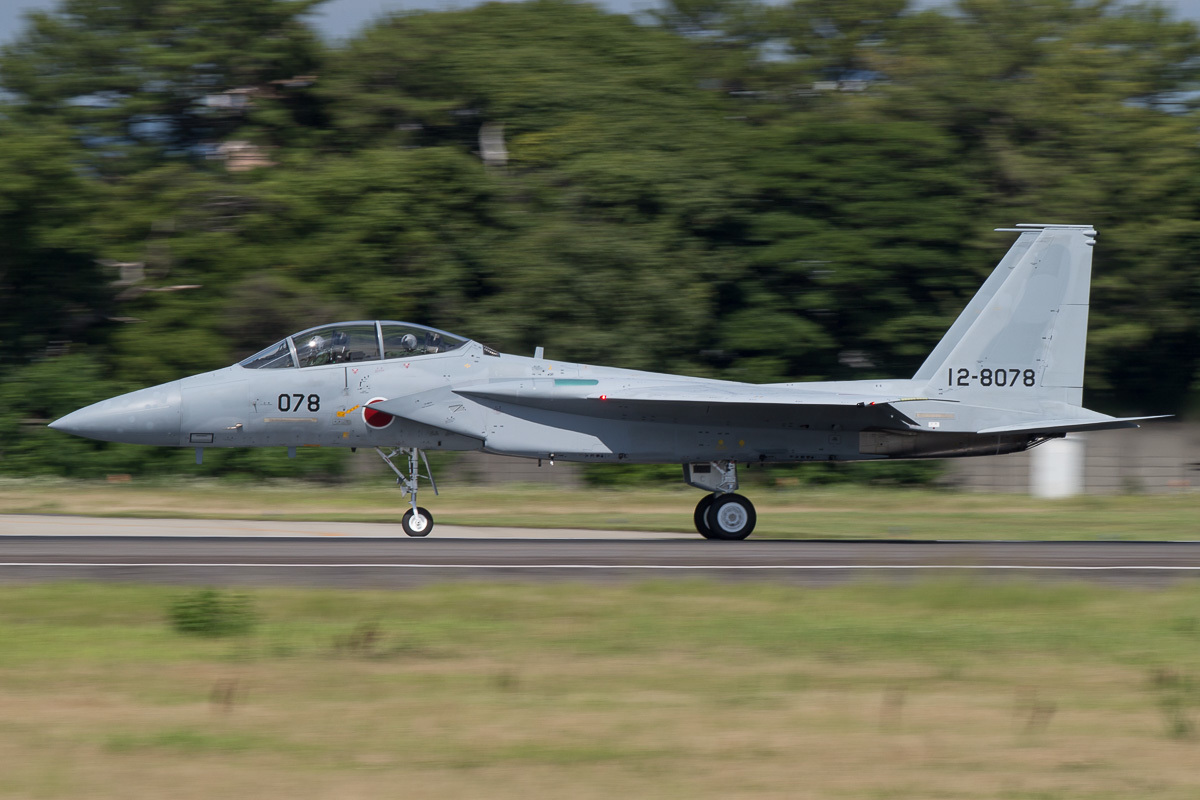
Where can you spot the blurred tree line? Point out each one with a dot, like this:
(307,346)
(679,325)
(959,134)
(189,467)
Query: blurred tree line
(723,187)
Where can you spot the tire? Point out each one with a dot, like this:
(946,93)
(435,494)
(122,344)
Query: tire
(731,517)
(701,515)
(418,524)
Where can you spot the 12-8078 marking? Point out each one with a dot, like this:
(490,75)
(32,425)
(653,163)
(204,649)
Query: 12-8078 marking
(991,377)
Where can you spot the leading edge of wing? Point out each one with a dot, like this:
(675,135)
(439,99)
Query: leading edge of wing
(597,399)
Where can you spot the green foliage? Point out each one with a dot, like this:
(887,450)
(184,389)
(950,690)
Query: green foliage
(32,396)
(50,287)
(629,475)
(568,76)
(749,191)
(874,473)
(212,613)
(185,740)
(144,81)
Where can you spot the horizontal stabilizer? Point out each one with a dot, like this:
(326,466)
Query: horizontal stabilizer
(1071,425)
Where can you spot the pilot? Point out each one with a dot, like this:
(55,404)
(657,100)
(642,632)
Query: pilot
(408,342)
(311,351)
(339,346)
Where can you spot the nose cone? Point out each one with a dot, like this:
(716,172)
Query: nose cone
(147,416)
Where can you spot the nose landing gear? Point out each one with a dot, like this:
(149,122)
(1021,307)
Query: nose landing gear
(416,521)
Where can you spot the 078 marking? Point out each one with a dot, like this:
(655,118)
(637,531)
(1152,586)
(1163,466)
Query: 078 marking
(991,377)
(297,402)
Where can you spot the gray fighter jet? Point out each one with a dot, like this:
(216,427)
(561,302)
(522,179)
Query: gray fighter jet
(1007,376)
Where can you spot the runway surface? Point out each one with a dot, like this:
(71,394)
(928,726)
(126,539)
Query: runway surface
(375,561)
(61,525)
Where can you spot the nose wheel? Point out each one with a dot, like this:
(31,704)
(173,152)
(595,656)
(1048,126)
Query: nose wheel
(416,521)
(728,516)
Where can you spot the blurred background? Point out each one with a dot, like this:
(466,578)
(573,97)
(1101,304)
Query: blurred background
(726,188)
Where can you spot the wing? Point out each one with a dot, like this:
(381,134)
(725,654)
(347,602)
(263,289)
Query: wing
(691,400)
(542,392)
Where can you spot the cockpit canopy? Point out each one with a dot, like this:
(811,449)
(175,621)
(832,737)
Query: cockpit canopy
(347,342)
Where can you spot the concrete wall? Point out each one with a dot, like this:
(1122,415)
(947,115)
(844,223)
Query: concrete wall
(1159,457)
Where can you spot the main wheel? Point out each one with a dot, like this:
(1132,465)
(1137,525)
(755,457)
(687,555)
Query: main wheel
(418,523)
(701,515)
(731,516)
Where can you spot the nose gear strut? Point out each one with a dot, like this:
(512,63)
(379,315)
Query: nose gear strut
(416,521)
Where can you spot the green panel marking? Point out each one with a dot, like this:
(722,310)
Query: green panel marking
(575,382)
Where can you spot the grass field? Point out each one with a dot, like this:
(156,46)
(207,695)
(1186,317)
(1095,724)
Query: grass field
(835,512)
(679,689)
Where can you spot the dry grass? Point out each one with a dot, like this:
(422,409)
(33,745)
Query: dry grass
(789,512)
(683,689)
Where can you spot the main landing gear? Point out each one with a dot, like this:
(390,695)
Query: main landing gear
(722,514)
(725,516)
(416,521)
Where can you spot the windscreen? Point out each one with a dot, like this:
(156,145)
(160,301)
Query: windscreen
(277,356)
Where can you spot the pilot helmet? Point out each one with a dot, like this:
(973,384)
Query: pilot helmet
(314,345)
(408,341)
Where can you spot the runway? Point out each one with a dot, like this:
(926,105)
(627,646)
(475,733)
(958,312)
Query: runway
(64,525)
(375,561)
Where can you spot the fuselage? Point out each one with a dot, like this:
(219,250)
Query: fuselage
(333,405)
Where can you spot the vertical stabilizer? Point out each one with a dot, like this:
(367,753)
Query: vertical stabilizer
(1025,331)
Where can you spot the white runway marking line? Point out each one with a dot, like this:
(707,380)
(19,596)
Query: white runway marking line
(796,567)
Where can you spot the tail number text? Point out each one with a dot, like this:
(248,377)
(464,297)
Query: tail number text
(991,377)
(298,402)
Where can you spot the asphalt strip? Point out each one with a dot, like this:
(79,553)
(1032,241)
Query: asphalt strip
(66,525)
(698,567)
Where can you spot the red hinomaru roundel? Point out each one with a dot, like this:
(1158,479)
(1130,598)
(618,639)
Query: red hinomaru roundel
(373,418)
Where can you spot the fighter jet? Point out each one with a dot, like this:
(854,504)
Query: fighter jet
(1007,376)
